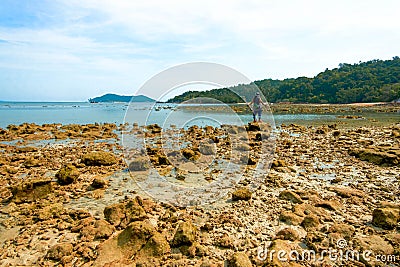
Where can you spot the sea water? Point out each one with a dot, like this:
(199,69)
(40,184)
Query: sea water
(141,113)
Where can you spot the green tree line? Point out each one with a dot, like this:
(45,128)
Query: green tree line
(371,81)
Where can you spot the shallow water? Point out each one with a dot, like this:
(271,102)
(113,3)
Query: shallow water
(163,114)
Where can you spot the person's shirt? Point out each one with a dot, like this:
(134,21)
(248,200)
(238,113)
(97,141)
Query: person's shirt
(257,102)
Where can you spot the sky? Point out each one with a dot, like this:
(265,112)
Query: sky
(72,50)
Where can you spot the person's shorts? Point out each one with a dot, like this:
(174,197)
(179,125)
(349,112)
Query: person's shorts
(257,112)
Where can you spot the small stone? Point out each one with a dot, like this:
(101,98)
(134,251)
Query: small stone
(190,154)
(67,175)
(329,205)
(207,149)
(32,162)
(121,214)
(290,196)
(31,191)
(239,259)
(225,241)
(139,164)
(186,234)
(57,252)
(290,218)
(241,194)
(155,247)
(287,234)
(99,183)
(278,163)
(310,221)
(101,158)
(385,218)
(345,230)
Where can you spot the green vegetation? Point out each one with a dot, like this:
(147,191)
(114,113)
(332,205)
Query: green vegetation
(120,98)
(372,81)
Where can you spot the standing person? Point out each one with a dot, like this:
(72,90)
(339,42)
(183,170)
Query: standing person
(257,106)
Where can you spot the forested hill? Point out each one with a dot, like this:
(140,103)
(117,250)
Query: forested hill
(372,81)
(120,98)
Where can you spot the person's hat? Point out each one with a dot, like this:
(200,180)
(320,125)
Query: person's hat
(258,93)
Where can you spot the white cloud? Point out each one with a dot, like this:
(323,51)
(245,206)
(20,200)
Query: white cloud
(122,43)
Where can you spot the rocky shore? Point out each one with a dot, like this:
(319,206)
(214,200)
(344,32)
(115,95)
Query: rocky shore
(68,199)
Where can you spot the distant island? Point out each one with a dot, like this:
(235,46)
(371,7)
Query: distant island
(371,81)
(120,98)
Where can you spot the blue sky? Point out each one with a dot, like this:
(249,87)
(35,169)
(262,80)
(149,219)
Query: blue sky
(71,50)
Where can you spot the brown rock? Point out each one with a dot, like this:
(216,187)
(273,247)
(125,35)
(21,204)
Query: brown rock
(385,218)
(100,158)
(310,221)
(186,234)
(287,234)
(242,147)
(290,196)
(329,205)
(32,162)
(139,164)
(253,127)
(98,183)
(135,236)
(207,149)
(121,214)
(348,192)
(26,149)
(241,194)
(225,241)
(377,157)
(67,175)
(31,191)
(156,246)
(190,154)
(284,246)
(345,230)
(290,218)
(373,243)
(57,252)
(278,163)
(139,242)
(103,229)
(394,239)
(239,259)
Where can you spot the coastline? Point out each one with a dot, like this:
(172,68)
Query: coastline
(60,203)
